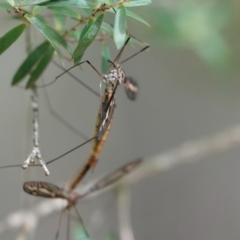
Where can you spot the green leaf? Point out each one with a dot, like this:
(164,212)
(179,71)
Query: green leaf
(87,36)
(42,64)
(13,3)
(135,16)
(103,1)
(105,57)
(66,11)
(32,2)
(70,3)
(37,9)
(52,36)
(87,27)
(107,27)
(11,36)
(134,41)
(60,21)
(76,34)
(120,26)
(29,62)
(5,5)
(84,31)
(136,3)
(78,59)
(111,236)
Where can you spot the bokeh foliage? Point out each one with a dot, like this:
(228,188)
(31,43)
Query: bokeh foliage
(201,26)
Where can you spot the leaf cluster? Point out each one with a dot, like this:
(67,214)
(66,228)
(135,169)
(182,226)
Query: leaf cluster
(87,19)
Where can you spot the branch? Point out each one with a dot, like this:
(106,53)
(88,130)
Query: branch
(188,152)
(124,214)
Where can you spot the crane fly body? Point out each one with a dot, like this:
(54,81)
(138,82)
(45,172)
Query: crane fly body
(115,77)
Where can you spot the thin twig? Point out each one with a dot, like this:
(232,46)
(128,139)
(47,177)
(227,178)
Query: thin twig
(36,153)
(124,214)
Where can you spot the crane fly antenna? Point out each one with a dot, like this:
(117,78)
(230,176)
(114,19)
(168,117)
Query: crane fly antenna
(120,52)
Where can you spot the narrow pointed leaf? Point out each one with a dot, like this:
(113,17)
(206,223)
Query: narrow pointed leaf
(76,34)
(32,2)
(53,37)
(136,3)
(10,37)
(86,27)
(41,66)
(83,32)
(88,36)
(135,16)
(70,3)
(60,21)
(5,5)
(107,27)
(105,57)
(37,9)
(78,59)
(66,11)
(13,3)
(29,62)
(103,1)
(120,26)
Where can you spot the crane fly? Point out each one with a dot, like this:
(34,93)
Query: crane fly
(112,80)
(49,190)
(115,77)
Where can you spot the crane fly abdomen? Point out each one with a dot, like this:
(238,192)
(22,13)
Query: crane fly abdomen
(43,189)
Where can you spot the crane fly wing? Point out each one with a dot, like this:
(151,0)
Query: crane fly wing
(113,177)
(131,88)
(106,116)
(43,189)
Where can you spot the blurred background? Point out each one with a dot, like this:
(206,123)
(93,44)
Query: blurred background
(189,88)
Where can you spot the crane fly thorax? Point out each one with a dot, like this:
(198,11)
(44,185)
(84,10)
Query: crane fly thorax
(115,75)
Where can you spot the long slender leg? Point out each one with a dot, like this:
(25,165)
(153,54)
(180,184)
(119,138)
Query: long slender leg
(73,149)
(143,49)
(81,222)
(77,80)
(68,224)
(61,119)
(56,78)
(53,160)
(59,226)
